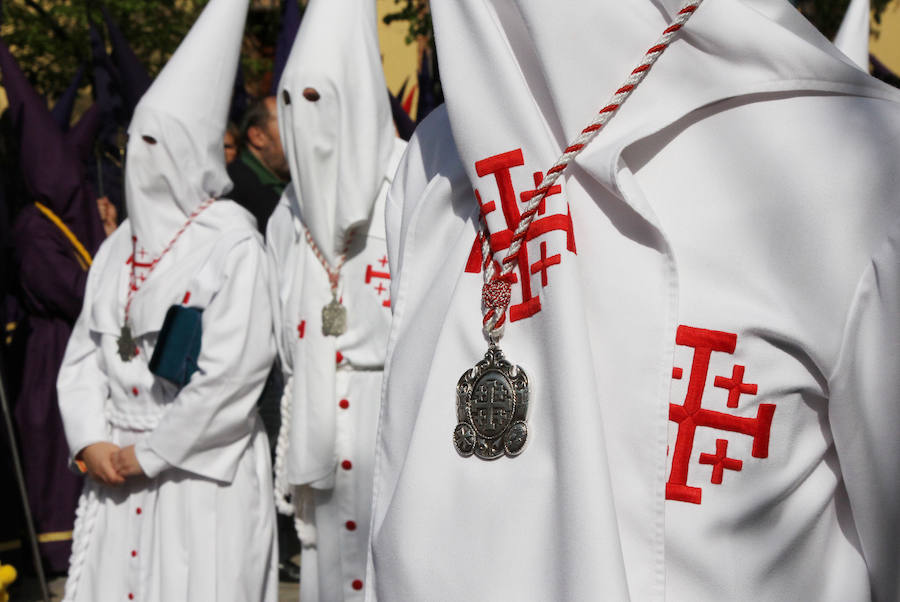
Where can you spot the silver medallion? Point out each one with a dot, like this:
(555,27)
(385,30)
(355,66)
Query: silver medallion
(127,344)
(334,319)
(491,406)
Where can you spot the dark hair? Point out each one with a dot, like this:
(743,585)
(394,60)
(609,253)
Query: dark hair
(256,115)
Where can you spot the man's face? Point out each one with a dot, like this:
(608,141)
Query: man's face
(231,149)
(266,140)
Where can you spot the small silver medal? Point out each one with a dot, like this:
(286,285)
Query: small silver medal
(334,319)
(491,406)
(127,344)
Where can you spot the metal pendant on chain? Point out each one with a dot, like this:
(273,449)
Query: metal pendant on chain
(334,313)
(126,344)
(491,406)
(492,397)
(334,318)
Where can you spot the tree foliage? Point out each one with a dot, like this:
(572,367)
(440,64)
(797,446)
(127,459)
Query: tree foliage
(418,17)
(50,37)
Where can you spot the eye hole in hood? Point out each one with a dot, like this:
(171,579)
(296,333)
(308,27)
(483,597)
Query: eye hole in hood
(148,139)
(311,94)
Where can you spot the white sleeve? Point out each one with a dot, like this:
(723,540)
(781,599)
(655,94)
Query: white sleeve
(864,412)
(393,219)
(209,423)
(278,233)
(409,181)
(81,385)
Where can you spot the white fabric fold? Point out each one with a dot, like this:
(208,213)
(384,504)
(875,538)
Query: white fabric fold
(853,35)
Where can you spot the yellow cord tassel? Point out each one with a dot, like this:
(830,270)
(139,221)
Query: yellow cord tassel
(7,576)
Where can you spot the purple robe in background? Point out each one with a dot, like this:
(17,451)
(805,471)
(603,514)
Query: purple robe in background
(51,289)
(12,526)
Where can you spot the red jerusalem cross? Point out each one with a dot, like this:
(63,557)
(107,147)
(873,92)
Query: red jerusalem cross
(142,264)
(373,273)
(720,461)
(370,273)
(691,415)
(500,166)
(735,386)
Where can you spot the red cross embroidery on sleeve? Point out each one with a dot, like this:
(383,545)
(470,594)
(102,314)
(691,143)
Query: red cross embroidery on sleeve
(379,276)
(691,415)
(500,167)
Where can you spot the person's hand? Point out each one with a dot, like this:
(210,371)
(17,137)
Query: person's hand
(126,464)
(97,458)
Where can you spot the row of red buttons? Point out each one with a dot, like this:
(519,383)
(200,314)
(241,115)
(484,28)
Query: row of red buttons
(136,511)
(347,465)
(351,526)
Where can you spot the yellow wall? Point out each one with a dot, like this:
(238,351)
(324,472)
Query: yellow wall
(885,41)
(401,61)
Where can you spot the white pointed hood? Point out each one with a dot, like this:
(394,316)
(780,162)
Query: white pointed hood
(185,112)
(338,146)
(853,36)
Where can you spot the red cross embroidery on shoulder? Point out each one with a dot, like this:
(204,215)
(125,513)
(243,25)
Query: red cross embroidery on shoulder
(142,264)
(376,275)
(691,415)
(528,267)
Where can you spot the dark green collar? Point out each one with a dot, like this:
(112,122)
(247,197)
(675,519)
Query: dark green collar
(266,177)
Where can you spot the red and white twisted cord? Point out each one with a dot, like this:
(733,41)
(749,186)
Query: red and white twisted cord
(334,273)
(133,286)
(495,293)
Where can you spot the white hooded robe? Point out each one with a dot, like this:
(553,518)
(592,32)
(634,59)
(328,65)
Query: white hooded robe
(713,350)
(342,152)
(200,524)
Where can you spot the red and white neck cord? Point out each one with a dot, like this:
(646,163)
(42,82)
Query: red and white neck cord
(334,273)
(496,293)
(133,286)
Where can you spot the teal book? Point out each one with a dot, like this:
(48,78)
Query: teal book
(178,345)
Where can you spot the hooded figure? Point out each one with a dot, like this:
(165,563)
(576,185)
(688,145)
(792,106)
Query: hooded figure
(177,505)
(62,109)
(706,306)
(132,77)
(336,129)
(852,37)
(53,238)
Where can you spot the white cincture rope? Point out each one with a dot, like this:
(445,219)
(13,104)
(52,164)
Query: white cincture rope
(496,294)
(289,501)
(133,421)
(85,518)
(282,490)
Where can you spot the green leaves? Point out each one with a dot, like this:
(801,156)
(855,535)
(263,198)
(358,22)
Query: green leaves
(50,37)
